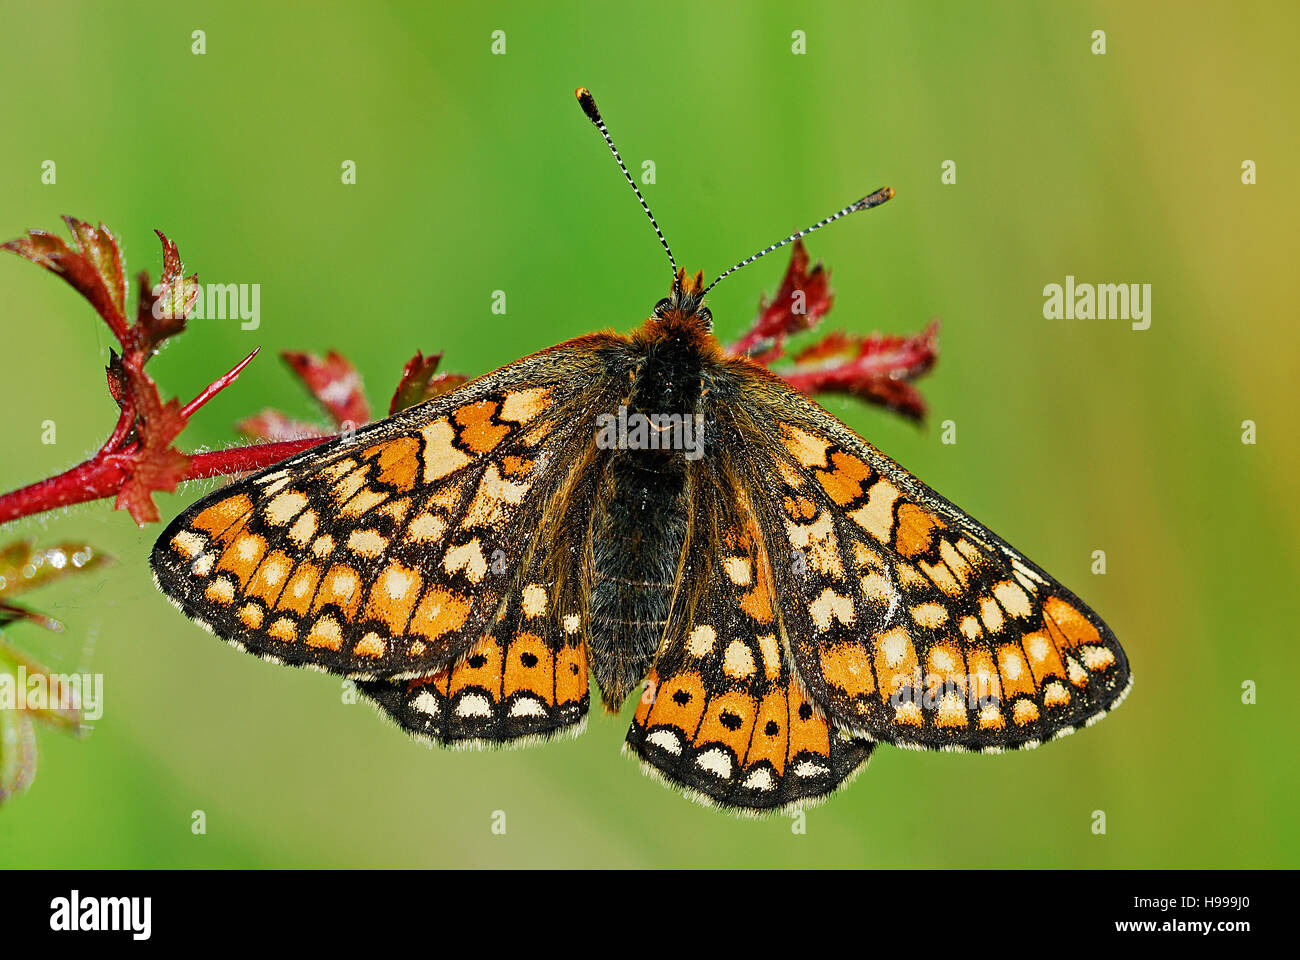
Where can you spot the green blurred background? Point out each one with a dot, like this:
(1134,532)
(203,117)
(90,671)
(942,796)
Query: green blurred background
(477,173)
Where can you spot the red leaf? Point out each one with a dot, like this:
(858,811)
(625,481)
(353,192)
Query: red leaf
(162,311)
(334,383)
(875,368)
(420,382)
(153,464)
(93,268)
(801,301)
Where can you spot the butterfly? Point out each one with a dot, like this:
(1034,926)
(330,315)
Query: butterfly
(652,513)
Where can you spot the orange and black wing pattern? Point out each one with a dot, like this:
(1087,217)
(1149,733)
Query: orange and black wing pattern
(389,553)
(526,678)
(723,715)
(908,621)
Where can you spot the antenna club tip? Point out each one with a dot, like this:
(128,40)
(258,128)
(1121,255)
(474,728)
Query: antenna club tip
(588,104)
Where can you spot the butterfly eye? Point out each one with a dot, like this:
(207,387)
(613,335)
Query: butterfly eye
(663,305)
(706,315)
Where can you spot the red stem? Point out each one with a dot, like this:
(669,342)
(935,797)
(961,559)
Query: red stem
(242,459)
(104,475)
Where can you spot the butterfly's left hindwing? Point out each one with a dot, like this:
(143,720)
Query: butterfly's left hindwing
(908,621)
(526,677)
(386,554)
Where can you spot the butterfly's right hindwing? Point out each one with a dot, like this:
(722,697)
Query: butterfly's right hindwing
(723,715)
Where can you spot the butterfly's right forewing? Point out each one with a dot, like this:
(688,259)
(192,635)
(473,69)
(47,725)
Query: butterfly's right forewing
(909,621)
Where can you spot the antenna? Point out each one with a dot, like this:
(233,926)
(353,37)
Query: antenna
(588,104)
(866,203)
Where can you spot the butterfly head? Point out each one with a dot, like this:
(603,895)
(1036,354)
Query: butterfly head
(685,302)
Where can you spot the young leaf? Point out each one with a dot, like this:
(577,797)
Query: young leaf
(420,381)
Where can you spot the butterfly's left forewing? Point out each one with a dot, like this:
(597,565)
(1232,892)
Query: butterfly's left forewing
(387,553)
(909,621)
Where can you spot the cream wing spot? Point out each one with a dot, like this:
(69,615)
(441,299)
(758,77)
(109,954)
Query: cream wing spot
(325,632)
(188,544)
(894,646)
(371,645)
(1013,598)
(528,707)
(440,457)
(426,528)
(878,588)
(248,547)
(738,662)
(877,515)
(738,571)
(830,606)
(221,590)
(666,740)
(427,704)
(367,543)
(473,705)
(304,528)
(809,450)
(715,761)
(523,405)
(534,600)
(991,613)
(493,497)
(1096,658)
(818,542)
(930,615)
(1024,711)
(284,507)
(771,654)
(1055,694)
(468,557)
(275,570)
(1013,665)
(400,583)
(702,640)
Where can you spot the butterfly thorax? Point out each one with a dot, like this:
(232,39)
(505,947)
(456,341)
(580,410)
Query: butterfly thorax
(643,506)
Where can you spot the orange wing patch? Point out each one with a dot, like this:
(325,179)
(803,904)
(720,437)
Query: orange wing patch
(525,678)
